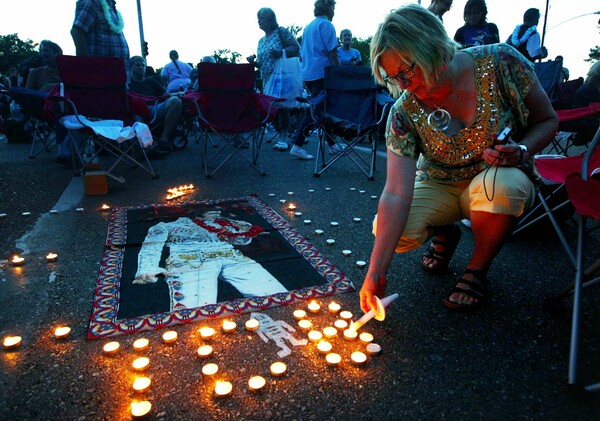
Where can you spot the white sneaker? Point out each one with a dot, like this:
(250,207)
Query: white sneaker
(336,148)
(281,146)
(300,153)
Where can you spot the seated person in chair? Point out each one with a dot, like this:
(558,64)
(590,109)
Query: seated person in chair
(46,77)
(168,112)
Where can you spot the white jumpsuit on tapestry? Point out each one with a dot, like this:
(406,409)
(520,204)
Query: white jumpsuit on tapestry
(200,253)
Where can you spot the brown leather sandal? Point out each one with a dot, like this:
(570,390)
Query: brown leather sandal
(442,258)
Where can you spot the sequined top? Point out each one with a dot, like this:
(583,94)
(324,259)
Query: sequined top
(502,81)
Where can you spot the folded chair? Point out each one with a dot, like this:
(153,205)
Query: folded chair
(32,108)
(583,190)
(96,103)
(233,117)
(352,110)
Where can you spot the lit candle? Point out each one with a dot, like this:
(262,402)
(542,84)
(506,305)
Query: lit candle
(141,344)
(223,389)
(299,314)
(315,335)
(17,260)
(314,307)
(346,315)
(373,349)
(256,383)
(169,337)
(350,334)
(140,409)
(330,241)
(51,257)
(324,347)
(62,332)
(358,357)
(340,324)
(252,325)
(140,364)
(304,324)
(210,369)
(278,369)
(291,206)
(111,348)
(105,206)
(141,384)
(229,326)
(12,342)
(334,307)
(319,232)
(330,332)
(205,351)
(206,332)
(333,359)
(365,337)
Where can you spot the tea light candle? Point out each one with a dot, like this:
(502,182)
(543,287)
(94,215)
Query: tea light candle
(333,359)
(314,307)
(334,224)
(352,188)
(327,188)
(141,384)
(356,219)
(298,213)
(307,221)
(205,351)
(62,332)
(256,383)
(330,332)
(346,315)
(169,337)
(340,324)
(282,201)
(223,389)
(51,257)
(299,314)
(53,212)
(12,342)
(17,260)
(330,241)
(319,232)
(365,337)
(311,190)
(140,364)
(346,252)
(291,206)
(229,326)
(278,369)
(140,409)
(324,347)
(358,357)
(373,349)
(304,324)
(26,213)
(362,191)
(373,197)
(361,263)
(315,336)
(271,194)
(105,207)
(111,348)
(252,325)
(210,369)
(79,210)
(350,334)
(334,307)
(206,332)
(290,193)
(141,344)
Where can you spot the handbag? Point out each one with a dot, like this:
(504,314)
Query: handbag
(285,81)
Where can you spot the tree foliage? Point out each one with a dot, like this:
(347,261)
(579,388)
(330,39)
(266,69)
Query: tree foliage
(13,51)
(226,56)
(363,46)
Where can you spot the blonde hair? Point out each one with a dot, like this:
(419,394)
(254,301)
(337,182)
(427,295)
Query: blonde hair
(413,32)
(593,75)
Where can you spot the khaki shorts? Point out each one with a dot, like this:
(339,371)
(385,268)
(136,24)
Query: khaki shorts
(436,204)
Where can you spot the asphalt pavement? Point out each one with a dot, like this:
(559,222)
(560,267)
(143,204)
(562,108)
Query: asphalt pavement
(509,361)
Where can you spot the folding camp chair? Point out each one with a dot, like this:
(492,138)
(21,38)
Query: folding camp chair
(229,108)
(32,108)
(583,190)
(549,73)
(95,93)
(352,113)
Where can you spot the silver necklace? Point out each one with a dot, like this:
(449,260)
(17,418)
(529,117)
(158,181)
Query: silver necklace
(439,119)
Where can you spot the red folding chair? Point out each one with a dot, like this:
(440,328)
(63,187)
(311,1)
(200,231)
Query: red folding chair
(95,90)
(229,108)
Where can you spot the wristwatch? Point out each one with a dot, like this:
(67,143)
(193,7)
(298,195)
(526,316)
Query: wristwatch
(524,153)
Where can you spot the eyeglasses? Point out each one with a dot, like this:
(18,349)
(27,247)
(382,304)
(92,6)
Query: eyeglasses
(403,75)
